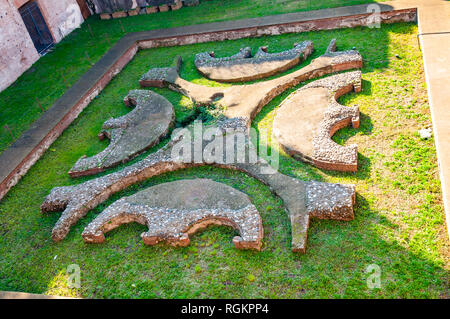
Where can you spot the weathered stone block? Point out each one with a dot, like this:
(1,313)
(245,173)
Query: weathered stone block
(119,14)
(105,16)
(151,9)
(243,67)
(307,119)
(191,3)
(130,134)
(110,6)
(164,8)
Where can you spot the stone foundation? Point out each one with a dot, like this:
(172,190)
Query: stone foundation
(243,67)
(175,210)
(302,200)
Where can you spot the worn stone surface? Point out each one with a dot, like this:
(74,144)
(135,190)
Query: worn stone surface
(110,6)
(301,199)
(105,16)
(133,12)
(307,119)
(130,134)
(243,67)
(245,101)
(119,14)
(172,211)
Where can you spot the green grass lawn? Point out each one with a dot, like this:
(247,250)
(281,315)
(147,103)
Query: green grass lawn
(399,219)
(74,55)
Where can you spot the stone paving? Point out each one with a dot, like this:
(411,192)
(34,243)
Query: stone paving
(245,101)
(301,199)
(172,211)
(306,120)
(130,134)
(243,67)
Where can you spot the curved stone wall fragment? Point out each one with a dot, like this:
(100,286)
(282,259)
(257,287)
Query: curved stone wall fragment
(243,67)
(130,134)
(172,211)
(308,118)
(301,199)
(245,101)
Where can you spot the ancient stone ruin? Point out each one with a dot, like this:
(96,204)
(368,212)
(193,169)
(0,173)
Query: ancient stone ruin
(172,211)
(243,67)
(225,142)
(307,119)
(302,200)
(130,134)
(245,101)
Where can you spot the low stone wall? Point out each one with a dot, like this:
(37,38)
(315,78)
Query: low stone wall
(142,40)
(122,8)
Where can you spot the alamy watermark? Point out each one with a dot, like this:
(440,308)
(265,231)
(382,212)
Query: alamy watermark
(374,279)
(374,20)
(223,146)
(74,272)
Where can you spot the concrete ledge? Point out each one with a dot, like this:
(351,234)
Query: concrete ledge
(17,159)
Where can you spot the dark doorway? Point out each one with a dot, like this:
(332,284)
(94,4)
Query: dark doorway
(36,26)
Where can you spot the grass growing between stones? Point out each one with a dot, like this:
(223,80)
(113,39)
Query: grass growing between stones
(399,220)
(72,57)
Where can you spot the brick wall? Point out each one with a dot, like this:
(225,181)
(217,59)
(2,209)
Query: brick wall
(17,52)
